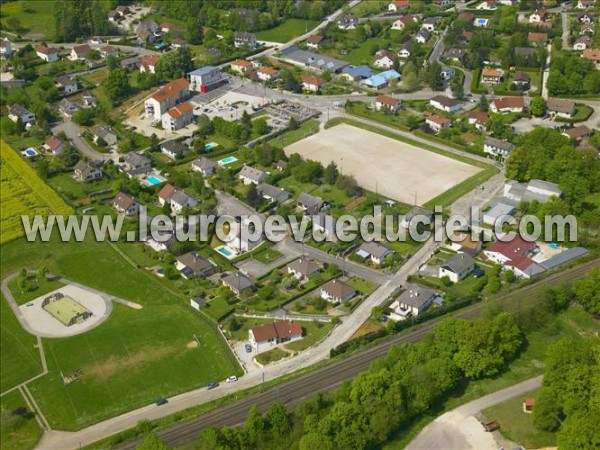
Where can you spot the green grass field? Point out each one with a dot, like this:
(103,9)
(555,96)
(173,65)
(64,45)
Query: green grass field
(116,358)
(271,356)
(287,30)
(35,17)
(517,425)
(35,288)
(19,359)
(25,431)
(267,256)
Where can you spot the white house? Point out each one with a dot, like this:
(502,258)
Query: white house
(413,301)
(384,59)
(18,112)
(105,134)
(436,122)
(67,84)
(387,103)
(398,5)
(375,251)
(337,291)
(206,78)
(54,145)
(204,165)
(312,83)
(444,103)
(539,15)
(515,255)
(264,337)
(560,107)
(125,204)
(583,42)
(250,175)
(173,149)
(507,104)
(6,49)
(79,52)
(165,98)
(178,116)
(585,4)
(266,73)
(302,269)
(497,147)
(48,54)
(148,63)
(457,267)
(85,171)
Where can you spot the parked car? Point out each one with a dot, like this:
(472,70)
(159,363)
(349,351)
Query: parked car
(212,385)
(161,401)
(231,379)
(248,348)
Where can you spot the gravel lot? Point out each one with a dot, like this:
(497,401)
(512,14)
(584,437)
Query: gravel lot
(380,164)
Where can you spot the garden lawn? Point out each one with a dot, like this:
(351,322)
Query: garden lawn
(306,129)
(517,425)
(362,54)
(313,333)
(271,356)
(364,287)
(287,30)
(116,357)
(24,434)
(267,256)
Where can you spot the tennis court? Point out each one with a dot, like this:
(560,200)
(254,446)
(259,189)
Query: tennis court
(66,310)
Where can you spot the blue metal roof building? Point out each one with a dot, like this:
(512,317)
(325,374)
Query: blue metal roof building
(382,79)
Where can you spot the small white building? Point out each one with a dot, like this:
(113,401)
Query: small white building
(457,267)
(178,116)
(48,54)
(413,301)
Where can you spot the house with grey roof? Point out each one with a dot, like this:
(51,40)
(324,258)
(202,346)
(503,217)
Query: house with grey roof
(250,175)
(136,164)
(311,204)
(272,193)
(18,112)
(204,165)
(500,211)
(325,225)
(101,132)
(67,108)
(416,213)
(534,190)
(244,39)
(457,267)
(375,251)
(498,147)
(191,265)
(337,291)
(125,204)
(67,84)
(173,149)
(86,171)
(413,301)
(180,200)
(237,282)
(302,269)
(294,55)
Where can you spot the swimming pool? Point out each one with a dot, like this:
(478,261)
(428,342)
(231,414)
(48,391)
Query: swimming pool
(30,152)
(210,146)
(228,160)
(226,252)
(481,22)
(554,245)
(153,180)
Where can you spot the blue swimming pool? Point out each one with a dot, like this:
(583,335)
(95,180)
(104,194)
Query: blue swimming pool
(153,180)
(227,160)
(480,22)
(210,146)
(554,245)
(226,252)
(30,152)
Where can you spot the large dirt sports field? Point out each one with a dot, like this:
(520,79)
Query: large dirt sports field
(392,168)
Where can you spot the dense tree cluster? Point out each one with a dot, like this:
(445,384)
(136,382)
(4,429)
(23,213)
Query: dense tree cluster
(395,390)
(572,75)
(546,154)
(569,401)
(80,18)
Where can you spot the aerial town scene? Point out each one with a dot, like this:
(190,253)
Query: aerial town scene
(300,224)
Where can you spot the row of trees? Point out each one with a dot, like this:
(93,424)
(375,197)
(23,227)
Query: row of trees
(365,412)
(75,19)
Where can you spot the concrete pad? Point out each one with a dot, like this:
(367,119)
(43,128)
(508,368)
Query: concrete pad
(380,164)
(46,325)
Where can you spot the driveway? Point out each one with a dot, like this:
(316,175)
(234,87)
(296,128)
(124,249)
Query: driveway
(459,429)
(257,269)
(73,131)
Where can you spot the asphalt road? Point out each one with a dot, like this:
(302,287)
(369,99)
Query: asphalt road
(72,131)
(332,375)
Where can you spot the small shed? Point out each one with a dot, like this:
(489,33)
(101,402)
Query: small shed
(528,405)
(197,303)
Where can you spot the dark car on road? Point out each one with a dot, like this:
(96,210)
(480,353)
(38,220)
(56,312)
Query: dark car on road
(212,385)
(161,401)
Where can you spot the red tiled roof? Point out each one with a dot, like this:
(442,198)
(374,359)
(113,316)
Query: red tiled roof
(537,37)
(123,201)
(491,73)
(179,110)
(150,60)
(170,90)
(513,249)
(387,100)
(53,142)
(166,25)
(509,102)
(437,119)
(479,116)
(267,71)
(312,79)
(276,330)
(241,63)
(44,50)
(591,54)
(166,191)
(315,39)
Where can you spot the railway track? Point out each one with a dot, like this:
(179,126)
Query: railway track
(331,376)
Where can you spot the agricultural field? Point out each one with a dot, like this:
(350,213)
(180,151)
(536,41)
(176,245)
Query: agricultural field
(22,192)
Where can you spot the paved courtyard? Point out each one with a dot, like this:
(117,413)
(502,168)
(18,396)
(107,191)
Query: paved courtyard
(380,164)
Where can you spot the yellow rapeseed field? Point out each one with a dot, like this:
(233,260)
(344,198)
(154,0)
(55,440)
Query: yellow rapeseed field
(23,192)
